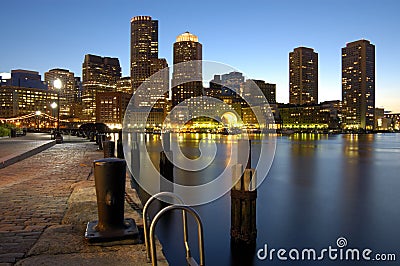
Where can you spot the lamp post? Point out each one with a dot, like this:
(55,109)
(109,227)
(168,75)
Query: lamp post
(58,84)
(53,106)
(38,113)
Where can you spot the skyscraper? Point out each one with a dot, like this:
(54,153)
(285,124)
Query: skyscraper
(303,76)
(186,77)
(152,91)
(144,47)
(99,74)
(358,85)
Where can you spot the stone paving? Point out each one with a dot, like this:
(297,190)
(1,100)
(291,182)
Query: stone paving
(34,194)
(45,204)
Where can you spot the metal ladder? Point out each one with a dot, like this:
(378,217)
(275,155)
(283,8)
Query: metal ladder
(149,236)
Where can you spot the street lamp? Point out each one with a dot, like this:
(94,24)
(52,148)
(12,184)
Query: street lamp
(38,114)
(53,105)
(58,84)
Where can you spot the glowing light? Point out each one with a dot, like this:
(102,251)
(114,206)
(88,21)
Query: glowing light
(57,84)
(229,118)
(187,37)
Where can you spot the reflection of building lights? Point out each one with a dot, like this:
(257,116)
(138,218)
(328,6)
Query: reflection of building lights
(114,126)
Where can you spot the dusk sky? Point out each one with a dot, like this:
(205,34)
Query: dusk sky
(254,37)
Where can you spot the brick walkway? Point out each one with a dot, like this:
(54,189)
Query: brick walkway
(34,194)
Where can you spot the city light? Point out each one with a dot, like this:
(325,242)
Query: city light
(58,84)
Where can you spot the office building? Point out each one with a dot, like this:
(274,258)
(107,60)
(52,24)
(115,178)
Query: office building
(144,47)
(155,90)
(394,121)
(20,101)
(78,90)
(26,79)
(67,92)
(306,117)
(303,76)
(99,74)
(267,89)
(187,71)
(232,83)
(215,88)
(358,85)
(124,84)
(111,107)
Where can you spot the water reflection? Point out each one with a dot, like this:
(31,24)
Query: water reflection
(320,187)
(356,184)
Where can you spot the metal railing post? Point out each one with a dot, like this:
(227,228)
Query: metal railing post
(189,259)
(146,226)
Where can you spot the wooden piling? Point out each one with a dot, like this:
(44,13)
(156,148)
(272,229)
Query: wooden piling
(166,165)
(243,205)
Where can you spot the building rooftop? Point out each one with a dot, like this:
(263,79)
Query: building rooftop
(187,37)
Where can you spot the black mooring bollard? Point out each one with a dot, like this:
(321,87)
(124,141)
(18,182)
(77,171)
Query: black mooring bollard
(110,175)
(97,136)
(91,136)
(102,138)
(120,147)
(135,155)
(109,149)
(120,150)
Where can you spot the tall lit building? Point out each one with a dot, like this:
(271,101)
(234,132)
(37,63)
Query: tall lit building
(144,47)
(358,85)
(99,74)
(67,92)
(303,76)
(187,50)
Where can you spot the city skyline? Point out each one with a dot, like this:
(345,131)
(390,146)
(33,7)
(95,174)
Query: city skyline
(241,36)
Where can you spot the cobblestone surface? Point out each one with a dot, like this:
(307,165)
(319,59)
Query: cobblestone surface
(34,194)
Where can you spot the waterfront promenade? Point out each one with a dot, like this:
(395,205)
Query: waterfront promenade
(13,150)
(46,201)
